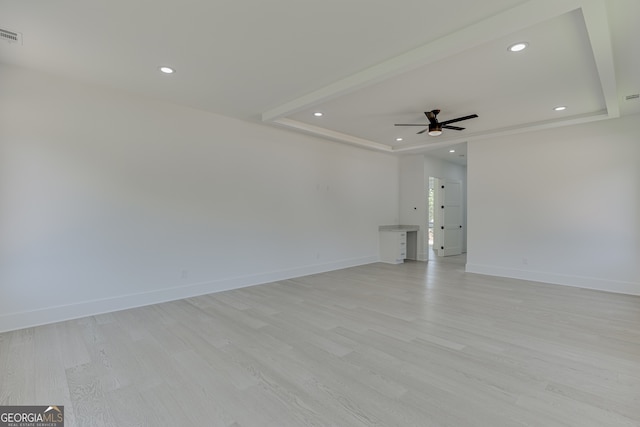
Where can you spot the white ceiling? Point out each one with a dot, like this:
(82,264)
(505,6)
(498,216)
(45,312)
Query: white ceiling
(365,64)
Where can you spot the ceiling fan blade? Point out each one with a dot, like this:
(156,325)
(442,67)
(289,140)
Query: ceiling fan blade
(422,131)
(431,115)
(409,124)
(452,127)
(459,119)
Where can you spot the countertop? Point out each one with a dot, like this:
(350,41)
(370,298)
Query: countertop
(399,228)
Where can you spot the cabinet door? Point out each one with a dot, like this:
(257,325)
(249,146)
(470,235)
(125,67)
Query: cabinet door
(393,246)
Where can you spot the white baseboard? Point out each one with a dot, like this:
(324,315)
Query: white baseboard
(620,287)
(27,319)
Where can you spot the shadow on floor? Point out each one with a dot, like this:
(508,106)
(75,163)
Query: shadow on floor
(460,260)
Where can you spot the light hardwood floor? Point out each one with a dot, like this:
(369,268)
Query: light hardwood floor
(377,345)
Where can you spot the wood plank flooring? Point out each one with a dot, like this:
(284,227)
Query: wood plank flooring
(378,345)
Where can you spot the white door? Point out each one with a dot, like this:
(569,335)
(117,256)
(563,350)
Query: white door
(448,198)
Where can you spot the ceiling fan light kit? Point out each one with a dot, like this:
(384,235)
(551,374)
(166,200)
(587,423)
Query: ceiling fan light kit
(435,129)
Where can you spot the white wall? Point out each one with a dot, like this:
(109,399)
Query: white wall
(559,206)
(413,199)
(439,168)
(109,200)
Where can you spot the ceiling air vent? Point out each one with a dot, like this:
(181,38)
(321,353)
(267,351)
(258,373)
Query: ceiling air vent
(10,36)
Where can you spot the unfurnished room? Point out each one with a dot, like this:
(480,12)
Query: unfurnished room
(341,213)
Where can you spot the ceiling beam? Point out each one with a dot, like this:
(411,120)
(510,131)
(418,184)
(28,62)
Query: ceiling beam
(517,18)
(597,23)
(502,24)
(512,130)
(333,135)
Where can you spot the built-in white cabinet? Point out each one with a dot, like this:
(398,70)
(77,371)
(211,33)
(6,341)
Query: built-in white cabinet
(393,246)
(398,242)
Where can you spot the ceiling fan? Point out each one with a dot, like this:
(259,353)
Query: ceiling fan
(435,127)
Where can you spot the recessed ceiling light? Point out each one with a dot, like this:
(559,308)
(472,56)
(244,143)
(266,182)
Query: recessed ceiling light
(560,108)
(167,70)
(517,47)
(452,151)
(318,114)
(399,139)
